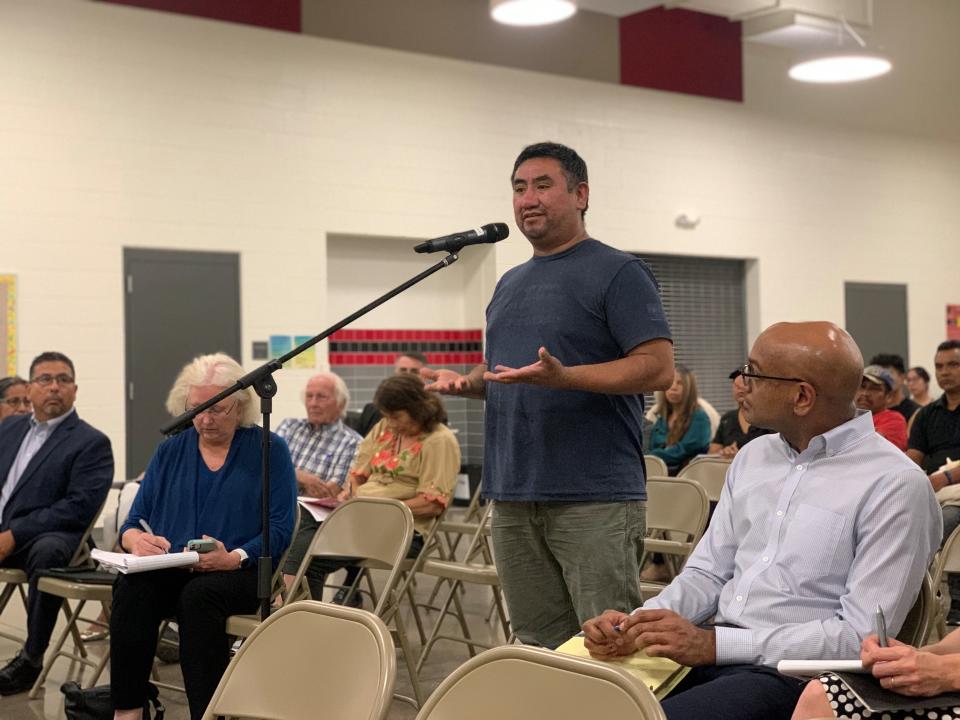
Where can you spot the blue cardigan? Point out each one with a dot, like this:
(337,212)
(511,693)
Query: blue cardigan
(695,441)
(170,497)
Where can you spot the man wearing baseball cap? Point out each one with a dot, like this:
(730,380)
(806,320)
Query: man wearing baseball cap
(876,389)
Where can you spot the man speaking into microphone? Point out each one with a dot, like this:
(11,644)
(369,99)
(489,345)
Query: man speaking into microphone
(574,337)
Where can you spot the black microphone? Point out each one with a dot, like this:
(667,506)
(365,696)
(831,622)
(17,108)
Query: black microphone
(494,232)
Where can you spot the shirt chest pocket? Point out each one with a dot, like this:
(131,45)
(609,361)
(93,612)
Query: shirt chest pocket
(809,546)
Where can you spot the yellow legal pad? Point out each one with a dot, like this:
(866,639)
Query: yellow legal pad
(659,674)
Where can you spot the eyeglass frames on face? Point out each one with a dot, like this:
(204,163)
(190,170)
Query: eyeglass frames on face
(17,402)
(216,412)
(747,374)
(45,380)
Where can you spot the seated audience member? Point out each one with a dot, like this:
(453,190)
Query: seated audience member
(918,383)
(935,446)
(734,431)
(915,672)
(875,391)
(322,449)
(14,397)
(205,482)
(816,526)
(409,455)
(682,429)
(899,401)
(408,362)
(55,471)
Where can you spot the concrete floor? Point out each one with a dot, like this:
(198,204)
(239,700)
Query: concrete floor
(443,660)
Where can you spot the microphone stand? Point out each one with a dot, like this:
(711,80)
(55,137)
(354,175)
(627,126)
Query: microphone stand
(263,384)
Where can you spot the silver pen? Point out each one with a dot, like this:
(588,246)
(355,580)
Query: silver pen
(148,529)
(881,626)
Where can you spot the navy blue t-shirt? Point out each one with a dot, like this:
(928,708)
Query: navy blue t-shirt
(590,304)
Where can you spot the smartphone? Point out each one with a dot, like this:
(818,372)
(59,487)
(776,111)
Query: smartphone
(201,546)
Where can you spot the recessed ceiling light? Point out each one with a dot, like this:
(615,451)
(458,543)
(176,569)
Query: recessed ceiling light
(531,12)
(840,69)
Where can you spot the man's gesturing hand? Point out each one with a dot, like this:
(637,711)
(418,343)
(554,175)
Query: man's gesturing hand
(546,371)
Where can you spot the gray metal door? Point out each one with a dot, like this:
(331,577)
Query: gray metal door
(876,316)
(177,305)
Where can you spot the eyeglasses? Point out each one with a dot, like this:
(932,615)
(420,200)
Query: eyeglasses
(17,402)
(216,412)
(747,373)
(45,380)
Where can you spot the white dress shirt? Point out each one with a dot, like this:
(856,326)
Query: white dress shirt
(803,547)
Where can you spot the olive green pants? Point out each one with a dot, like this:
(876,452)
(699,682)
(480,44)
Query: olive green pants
(561,564)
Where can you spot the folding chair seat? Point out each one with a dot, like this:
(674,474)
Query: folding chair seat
(677,511)
(478,569)
(526,683)
(710,472)
(274,673)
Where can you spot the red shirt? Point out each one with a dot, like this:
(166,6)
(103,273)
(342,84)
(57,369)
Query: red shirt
(891,425)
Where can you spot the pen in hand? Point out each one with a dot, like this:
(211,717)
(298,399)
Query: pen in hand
(149,530)
(881,627)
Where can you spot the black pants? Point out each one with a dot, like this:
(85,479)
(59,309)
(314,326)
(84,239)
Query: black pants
(733,692)
(42,553)
(201,603)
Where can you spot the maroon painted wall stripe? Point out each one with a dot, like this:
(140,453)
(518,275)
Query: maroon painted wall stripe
(682,51)
(273,14)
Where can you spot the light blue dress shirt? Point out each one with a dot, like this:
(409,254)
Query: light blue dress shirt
(803,547)
(34,439)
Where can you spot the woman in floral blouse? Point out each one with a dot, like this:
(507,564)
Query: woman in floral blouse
(410,455)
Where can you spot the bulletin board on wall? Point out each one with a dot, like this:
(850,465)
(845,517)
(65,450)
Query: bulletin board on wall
(8,324)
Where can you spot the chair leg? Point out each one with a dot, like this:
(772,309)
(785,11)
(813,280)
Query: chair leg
(58,646)
(418,621)
(413,671)
(435,631)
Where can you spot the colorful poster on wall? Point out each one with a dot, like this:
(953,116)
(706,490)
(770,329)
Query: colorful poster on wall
(307,360)
(953,322)
(280,345)
(8,324)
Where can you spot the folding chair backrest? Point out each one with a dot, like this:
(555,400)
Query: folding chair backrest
(81,556)
(948,560)
(677,505)
(375,529)
(525,683)
(710,472)
(274,674)
(919,621)
(654,466)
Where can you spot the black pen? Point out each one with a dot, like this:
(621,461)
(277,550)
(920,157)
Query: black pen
(881,626)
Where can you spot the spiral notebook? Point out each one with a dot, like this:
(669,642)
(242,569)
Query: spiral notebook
(128,564)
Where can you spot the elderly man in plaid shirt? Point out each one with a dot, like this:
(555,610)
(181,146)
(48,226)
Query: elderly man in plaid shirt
(322,450)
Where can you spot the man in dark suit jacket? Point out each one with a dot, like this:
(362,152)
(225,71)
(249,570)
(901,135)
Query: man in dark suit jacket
(55,471)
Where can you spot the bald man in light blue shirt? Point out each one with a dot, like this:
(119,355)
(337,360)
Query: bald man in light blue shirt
(816,526)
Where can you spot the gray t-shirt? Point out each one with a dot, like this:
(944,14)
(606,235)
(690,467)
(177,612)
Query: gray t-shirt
(590,304)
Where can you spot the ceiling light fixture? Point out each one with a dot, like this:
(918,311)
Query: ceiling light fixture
(842,67)
(531,12)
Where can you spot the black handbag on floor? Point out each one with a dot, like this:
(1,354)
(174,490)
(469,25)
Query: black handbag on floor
(94,703)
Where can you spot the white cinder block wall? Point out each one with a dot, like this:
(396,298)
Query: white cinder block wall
(121,127)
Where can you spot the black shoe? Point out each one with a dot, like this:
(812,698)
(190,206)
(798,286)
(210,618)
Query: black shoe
(19,675)
(355,602)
